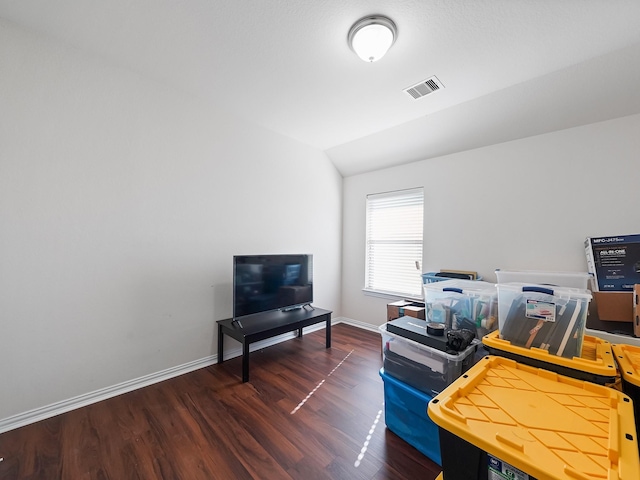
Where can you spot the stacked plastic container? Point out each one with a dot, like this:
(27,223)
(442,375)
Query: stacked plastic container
(542,321)
(545,310)
(547,317)
(405,414)
(596,363)
(540,406)
(424,368)
(468,304)
(431,277)
(504,419)
(533,277)
(628,360)
(412,374)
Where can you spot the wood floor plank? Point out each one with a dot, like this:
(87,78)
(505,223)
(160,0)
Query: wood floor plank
(308,413)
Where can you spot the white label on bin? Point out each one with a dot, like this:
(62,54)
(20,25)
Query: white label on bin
(541,310)
(499,470)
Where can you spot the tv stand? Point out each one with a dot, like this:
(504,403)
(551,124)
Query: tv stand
(261,326)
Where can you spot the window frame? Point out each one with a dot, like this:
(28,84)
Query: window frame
(398,206)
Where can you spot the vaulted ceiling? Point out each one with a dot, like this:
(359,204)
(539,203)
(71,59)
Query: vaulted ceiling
(509,68)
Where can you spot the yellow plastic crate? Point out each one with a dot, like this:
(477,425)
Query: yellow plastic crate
(596,364)
(628,359)
(536,422)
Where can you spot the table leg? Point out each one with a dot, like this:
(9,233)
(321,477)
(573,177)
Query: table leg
(300,332)
(245,362)
(220,343)
(327,332)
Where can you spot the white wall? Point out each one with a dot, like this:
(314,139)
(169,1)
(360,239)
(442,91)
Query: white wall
(526,204)
(122,202)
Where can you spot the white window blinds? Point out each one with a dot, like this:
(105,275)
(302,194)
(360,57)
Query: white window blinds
(394,242)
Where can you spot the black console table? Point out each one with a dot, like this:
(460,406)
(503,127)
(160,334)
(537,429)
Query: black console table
(261,326)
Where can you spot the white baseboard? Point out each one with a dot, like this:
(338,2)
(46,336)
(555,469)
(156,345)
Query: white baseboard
(57,408)
(356,323)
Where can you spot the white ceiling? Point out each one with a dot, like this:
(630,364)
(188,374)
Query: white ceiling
(510,68)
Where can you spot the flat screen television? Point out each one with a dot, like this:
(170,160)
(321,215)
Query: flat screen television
(263,283)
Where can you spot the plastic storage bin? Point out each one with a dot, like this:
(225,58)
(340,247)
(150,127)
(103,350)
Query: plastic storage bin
(431,277)
(596,364)
(422,367)
(405,414)
(503,416)
(558,279)
(550,318)
(628,360)
(469,304)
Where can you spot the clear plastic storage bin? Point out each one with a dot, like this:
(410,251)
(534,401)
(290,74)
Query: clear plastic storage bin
(542,316)
(558,279)
(420,366)
(469,304)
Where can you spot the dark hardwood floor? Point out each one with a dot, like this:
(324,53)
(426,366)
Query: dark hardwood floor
(307,413)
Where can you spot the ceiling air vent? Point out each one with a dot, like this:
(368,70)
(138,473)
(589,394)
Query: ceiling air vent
(425,87)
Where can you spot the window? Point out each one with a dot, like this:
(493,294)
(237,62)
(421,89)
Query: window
(394,243)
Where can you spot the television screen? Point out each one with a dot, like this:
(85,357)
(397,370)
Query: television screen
(271,282)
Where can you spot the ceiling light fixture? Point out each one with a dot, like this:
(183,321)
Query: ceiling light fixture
(371,37)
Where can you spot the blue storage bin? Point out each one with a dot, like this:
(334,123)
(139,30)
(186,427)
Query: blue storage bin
(431,277)
(405,414)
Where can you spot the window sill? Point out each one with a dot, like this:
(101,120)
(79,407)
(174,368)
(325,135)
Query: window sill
(390,296)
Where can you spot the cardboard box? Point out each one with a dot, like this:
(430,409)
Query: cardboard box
(620,307)
(614,262)
(614,306)
(404,307)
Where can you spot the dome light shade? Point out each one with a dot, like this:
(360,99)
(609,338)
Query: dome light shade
(371,37)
